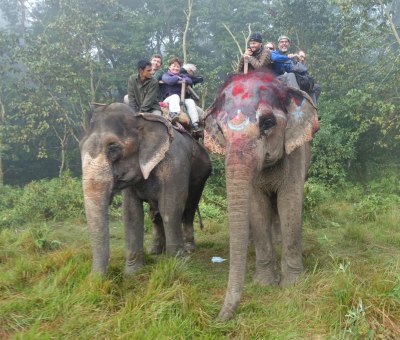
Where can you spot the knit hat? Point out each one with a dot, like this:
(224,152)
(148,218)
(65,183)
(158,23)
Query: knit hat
(255,37)
(283,37)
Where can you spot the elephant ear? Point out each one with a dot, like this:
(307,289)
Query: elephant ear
(155,140)
(214,140)
(302,119)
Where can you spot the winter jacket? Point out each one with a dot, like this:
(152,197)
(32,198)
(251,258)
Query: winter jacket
(143,97)
(281,63)
(260,58)
(171,85)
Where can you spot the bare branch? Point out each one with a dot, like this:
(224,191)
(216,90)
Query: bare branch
(188,14)
(392,25)
(234,38)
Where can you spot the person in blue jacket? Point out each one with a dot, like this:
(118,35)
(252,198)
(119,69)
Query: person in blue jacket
(283,62)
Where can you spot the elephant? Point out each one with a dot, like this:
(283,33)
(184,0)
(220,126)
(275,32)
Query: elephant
(149,160)
(264,129)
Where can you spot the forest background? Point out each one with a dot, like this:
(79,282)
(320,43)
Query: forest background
(58,56)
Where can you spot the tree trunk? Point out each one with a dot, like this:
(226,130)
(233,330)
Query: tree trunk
(2,118)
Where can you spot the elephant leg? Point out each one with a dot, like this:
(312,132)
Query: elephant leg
(171,211)
(188,230)
(276,224)
(260,220)
(134,230)
(188,218)
(290,212)
(157,245)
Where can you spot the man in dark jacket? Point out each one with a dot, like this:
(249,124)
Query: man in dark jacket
(143,90)
(313,89)
(256,55)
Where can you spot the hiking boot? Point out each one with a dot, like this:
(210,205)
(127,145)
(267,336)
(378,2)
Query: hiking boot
(174,116)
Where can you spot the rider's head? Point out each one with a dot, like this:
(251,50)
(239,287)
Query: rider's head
(283,43)
(174,65)
(302,56)
(144,69)
(255,41)
(156,61)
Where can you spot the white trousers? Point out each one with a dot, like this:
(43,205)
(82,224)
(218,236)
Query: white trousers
(173,106)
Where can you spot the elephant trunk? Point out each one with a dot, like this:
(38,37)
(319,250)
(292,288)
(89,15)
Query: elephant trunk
(237,185)
(97,182)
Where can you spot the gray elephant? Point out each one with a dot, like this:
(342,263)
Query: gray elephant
(150,161)
(263,128)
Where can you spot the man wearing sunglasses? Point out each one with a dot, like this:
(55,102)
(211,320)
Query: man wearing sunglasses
(283,62)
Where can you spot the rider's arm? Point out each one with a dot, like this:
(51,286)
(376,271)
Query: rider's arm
(170,79)
(277,57)
(131,94)
(151,96)
(187,79)
(264,61)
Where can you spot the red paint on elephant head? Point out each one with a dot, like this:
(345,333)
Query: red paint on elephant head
(246,93)
(237,89)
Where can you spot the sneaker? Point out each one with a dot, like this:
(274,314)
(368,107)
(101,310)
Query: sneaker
(174,117)
(195,127)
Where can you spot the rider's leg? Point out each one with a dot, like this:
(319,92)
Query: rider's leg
(174,107)
(192,112)
(289,79)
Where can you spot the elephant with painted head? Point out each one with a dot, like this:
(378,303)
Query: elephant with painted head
(263,128)
(150,161)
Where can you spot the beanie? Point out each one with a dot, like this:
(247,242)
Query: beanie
(255,37)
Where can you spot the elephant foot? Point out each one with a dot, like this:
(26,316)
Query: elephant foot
(225,314)
(134,263)
(175,250)
(156,249)
(265,278)
(189,247)
(266,273)
(289,279)
(98,270)
(228,311)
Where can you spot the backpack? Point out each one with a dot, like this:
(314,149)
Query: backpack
(305,81)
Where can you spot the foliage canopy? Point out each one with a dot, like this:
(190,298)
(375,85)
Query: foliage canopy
(58,56)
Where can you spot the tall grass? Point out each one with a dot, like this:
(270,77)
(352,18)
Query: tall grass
(350,288)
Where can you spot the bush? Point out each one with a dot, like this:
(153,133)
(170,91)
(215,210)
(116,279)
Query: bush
(371,206)
(56,199)
(212,205)
(314,195)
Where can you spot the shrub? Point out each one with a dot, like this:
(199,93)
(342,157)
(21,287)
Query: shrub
(314,195)
(212,205)
(370,207)
(56,199)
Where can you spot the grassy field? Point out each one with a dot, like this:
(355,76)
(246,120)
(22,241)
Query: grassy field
(350,289)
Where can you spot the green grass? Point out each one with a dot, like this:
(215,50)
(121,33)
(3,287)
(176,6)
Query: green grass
(350,288)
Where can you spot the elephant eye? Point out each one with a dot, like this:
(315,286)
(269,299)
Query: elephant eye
(265,123)
(114,151)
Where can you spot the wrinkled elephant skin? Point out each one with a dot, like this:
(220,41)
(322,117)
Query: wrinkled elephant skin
(263,128)
(150,161)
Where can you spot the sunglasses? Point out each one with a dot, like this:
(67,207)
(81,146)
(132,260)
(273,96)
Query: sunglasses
(270,48)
